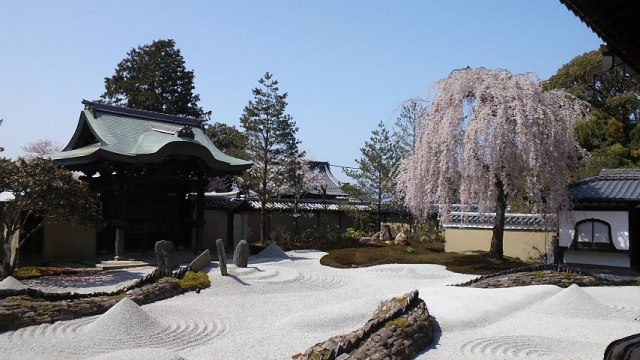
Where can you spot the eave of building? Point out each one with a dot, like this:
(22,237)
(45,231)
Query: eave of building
(614,21)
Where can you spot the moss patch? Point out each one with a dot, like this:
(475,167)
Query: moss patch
(399,322)
(538,273)
(476,262)
(194,280)
(44,310)
(21,300)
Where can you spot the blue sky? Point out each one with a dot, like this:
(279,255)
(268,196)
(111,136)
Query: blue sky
(346,65)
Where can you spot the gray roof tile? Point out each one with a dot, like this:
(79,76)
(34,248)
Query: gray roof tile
(609,184)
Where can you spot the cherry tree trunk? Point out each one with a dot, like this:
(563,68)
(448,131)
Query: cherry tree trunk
(497,240)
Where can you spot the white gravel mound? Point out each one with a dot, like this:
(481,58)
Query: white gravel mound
(273,251)
(11,283)
(124,319)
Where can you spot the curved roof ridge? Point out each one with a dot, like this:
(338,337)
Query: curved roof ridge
(144,114)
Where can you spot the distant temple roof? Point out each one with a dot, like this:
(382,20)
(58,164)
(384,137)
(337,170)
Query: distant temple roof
(608,185)
(326,178)
(113,133)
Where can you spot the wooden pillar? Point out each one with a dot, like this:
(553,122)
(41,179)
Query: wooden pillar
(199,235)
(121,223)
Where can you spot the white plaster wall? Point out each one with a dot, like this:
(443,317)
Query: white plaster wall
(619,221)
(596,258)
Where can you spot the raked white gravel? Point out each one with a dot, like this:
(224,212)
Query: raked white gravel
(278,307)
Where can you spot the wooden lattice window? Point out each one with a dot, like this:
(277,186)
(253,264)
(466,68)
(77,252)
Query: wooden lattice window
(593,234)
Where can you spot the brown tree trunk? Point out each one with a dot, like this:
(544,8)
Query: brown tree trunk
(263,222)
(497,240)
(9,258)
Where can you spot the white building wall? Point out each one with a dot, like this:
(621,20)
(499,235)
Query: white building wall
(619,221)
(597,258)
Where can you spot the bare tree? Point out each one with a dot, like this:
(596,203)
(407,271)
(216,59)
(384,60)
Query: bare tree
(487,137)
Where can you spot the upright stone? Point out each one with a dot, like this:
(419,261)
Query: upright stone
(241,254)
(222,257)
(166,255)
(201,262)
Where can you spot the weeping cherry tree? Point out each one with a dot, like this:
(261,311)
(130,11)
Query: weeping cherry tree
(490,137)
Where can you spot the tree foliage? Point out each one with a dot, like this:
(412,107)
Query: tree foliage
(405,133)
(41,191)
(153,77)
(232,142)
(376,167)
(299,179)
(39,148)
(614,111)
(271,142)
(490,136)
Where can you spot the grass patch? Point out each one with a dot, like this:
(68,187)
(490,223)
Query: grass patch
(194,280)
(368,255)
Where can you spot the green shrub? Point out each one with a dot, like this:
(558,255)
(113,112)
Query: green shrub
(410,249)
(353,234)
(329,232)
(434,246)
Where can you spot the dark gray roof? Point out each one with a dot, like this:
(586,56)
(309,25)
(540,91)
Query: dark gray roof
(608,185)
(325,178)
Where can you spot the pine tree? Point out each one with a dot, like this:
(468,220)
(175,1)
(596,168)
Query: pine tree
(154,78)
(405,133)
(375,173)
(271,143)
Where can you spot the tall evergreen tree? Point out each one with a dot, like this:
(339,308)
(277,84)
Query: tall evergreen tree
(405,133)
(154,77)
(375,173)
(232,142)
(610,132)
(271,142)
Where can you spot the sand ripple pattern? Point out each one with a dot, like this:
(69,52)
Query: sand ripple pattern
(520,347)
(128,327)
(409,273)
(287,275)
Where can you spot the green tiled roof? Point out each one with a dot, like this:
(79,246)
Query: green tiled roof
(107,132)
